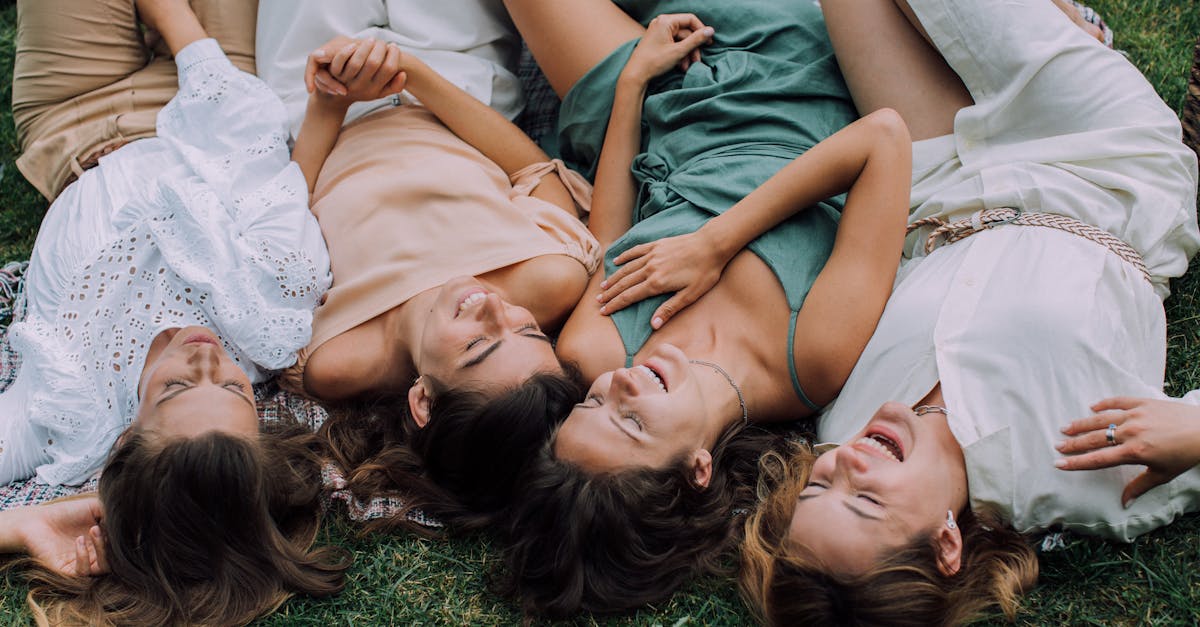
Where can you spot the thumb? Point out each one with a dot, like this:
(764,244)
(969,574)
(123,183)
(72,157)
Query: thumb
(674,305)
(698,38)
(1140,485)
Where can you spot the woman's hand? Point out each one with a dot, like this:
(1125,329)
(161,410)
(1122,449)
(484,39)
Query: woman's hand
(65,536)
(688,265)
(355,70)
(670,40)
(1162,435)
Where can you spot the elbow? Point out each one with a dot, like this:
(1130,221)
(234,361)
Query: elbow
(888,126)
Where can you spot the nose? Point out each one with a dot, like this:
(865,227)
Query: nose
(205,358)
(623,383)
(493,310)
(850,461)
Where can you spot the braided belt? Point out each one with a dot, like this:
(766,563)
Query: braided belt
(950,232)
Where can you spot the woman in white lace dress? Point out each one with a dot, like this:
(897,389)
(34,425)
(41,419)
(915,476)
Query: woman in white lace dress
(164,283)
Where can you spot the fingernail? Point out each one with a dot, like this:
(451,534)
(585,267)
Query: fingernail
(1060,445)
(656,323)
(319,52)
(599,298)
(708,30)
(1060,463)
(603,309)
(604,283)
(1066,430)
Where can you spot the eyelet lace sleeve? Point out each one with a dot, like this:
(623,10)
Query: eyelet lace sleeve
(221,237)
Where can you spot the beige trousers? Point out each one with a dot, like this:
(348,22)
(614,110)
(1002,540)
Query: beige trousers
(86,80)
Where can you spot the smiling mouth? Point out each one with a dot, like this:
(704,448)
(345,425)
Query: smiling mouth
(882,443)
(655,377)
(470,299)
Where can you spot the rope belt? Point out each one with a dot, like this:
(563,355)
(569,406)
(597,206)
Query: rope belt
(950,232)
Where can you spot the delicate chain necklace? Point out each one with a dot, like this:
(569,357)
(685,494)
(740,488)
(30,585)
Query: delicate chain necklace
(921,410)
(741,399)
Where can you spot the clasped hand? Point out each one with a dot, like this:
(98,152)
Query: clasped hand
(1163,436)
(356,70)
(670,40)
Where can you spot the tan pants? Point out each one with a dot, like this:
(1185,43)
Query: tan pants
(85,80)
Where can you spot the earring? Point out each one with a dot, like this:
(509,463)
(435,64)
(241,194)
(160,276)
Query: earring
(950,520)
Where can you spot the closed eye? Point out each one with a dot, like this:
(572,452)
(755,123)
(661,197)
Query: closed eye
(637,421)
(869,500)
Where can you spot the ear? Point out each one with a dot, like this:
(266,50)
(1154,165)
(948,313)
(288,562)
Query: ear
(700,462)
(420,397)
(949,550)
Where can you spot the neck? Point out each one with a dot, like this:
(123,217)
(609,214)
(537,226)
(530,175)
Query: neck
(723,406)
(406,324)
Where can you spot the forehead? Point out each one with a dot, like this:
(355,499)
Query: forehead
(202,409)
(826,529)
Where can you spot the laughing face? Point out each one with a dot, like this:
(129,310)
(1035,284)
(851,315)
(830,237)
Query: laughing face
(472,337)
(648,415)
(888,485)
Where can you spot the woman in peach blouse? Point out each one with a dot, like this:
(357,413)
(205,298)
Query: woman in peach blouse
(456,246)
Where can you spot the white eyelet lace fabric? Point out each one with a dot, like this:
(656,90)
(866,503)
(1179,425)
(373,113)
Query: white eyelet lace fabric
(222,238)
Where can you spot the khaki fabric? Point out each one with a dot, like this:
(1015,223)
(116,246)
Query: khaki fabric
(85,80)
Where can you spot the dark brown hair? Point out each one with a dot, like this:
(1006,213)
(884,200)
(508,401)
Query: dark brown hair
(462,466)
(784,585)
(613,541)
(210,530)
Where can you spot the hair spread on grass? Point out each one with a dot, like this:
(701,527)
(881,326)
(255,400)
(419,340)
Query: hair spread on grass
(209,530)
(784,585)
(613,541)
(462,466)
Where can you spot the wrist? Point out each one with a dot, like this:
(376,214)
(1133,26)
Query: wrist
(720,238)
(632,79)
(13,524)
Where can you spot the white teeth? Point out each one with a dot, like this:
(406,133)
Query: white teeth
(879,446)
(654,375)
(473,299)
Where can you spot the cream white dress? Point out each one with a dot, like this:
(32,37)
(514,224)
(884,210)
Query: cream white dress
(206,224)
(1025,327)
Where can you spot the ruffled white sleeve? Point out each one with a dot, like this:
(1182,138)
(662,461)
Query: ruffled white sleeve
(232,220)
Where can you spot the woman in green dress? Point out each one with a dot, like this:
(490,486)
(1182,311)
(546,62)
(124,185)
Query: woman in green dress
(721,141)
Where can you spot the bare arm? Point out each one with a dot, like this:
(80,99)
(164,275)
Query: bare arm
(475,123)
(318,133)
(669,40)
(844,305)
(369,69)
(869,158)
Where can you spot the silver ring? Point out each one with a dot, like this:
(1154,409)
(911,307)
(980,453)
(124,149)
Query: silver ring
(1111,434)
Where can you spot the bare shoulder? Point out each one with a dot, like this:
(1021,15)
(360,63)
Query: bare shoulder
(549,286)
(349,365)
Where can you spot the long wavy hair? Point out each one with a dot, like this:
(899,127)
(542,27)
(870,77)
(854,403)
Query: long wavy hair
(606,542)
(210,530)
(784,585)
(462,466)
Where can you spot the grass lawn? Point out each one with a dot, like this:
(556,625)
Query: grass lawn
(406,580)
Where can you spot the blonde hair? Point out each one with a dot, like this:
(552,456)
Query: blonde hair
(784,585)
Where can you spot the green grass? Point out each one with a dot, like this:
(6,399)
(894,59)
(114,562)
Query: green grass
(402,579)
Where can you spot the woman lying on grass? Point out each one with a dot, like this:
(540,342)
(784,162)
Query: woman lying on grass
(455,245)
(639,488)
(1074,202)
(164,282)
